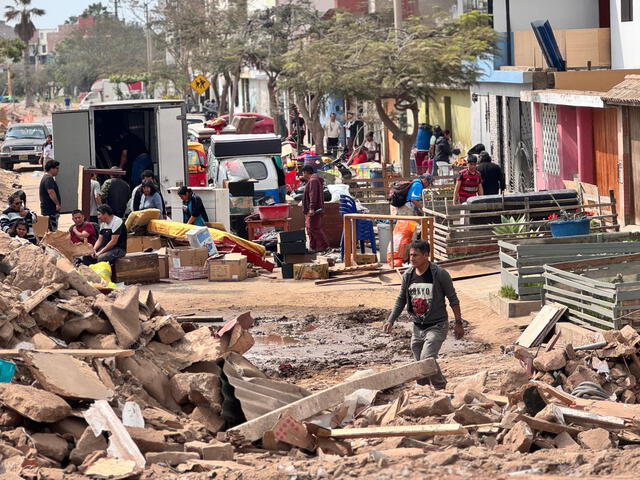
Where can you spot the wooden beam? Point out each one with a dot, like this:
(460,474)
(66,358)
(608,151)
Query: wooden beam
(399,431)
(40,296)
(71,351)
(307,407)
(549,427)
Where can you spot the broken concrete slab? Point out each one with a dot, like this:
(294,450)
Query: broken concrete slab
(208,417)
(220,451)
(123,314)
(66,376)
(197,388)
(50,445)
(467,415)
(38,405)
(171,458)
(564,440)
(519,438)
(147,439)
(581,374)
(167,329)
(112,469)
(86,445)
(595,439)
(549,361)
(426,408)
(49,317)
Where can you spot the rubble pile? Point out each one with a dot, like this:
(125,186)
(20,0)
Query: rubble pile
(110,386)
(8,184)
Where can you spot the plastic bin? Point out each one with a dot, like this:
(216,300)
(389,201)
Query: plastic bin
(273,212)
(7,370)
(569,228)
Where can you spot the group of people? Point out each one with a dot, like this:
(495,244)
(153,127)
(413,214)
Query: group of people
(361,148)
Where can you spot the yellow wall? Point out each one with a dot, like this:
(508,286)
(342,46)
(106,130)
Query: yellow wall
(460,115)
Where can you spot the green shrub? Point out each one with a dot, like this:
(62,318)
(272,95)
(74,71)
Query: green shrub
(507,291)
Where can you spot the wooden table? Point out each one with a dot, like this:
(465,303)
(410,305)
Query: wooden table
(253,225)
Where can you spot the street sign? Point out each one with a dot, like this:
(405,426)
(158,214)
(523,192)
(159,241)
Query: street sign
(200,84)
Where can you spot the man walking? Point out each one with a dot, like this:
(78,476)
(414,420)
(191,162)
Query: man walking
(424,288)
(333,129)
(50,201)
(492,175)
(312,206)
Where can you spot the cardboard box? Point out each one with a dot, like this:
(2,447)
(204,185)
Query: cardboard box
(137,268)
(140,244)
(230,268)
(187,257)
(295,236)
(298,258)
(187,273)
(365,258)
(311,271)
(238,205)
(200,237)
(163,266)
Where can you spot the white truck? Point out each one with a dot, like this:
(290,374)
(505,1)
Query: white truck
(105,91)
(89,137)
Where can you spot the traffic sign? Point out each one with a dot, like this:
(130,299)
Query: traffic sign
(200,84)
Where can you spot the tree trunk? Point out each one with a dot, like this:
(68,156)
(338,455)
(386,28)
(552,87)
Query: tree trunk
(311,116)
(274,104)
(235,80)
(223,106)
(405,140)
(28,86)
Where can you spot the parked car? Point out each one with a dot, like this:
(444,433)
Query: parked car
(22,143)
(263,123)
(197,164)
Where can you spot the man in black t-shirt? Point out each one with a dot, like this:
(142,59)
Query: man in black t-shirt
(424,289)
(50,201)
(116,193)
(112,236)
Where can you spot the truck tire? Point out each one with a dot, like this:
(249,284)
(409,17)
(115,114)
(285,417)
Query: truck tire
(5,165)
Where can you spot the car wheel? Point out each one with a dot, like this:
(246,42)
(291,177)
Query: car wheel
(6,165)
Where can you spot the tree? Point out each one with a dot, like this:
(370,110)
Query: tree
(95,10)
(25,30)
(12,49)
(381,64)
(108,47)
(271,33)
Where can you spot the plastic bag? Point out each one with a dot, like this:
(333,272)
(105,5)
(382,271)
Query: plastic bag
(402,236)
(104,270)
(236,171)
(337,190)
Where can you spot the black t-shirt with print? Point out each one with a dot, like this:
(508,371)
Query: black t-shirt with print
(421,294)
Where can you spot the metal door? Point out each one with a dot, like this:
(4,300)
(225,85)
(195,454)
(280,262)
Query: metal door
(73,140)
(549,125)
(172,147)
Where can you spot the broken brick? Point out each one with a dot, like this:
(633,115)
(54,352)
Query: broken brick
(38,405)
(549,361)
(171,458)
(147,439)
(431,407)
(86,445)
(50,445)
(519,438)
(595,439)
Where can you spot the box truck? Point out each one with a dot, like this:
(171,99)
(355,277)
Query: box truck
(89,137)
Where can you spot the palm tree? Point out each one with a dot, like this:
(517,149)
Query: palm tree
(25,30)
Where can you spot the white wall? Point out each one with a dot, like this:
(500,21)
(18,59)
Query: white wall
(624,37)
(562,14)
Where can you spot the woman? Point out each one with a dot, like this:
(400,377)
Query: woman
(47,150)
(193,211)
(150,197)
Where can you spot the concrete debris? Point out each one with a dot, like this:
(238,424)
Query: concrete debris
(33,403)
(549,361)
(595,439)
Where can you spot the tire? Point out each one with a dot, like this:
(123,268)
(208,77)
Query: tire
(6,165)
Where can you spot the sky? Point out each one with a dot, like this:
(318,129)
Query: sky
(59,10)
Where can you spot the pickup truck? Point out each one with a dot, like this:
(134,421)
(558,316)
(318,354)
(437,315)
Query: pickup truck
(22,143)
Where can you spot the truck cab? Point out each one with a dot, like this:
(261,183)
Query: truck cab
(254,152)
(90,137)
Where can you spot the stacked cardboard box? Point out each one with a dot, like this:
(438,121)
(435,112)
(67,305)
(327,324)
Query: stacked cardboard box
(230,268)
(186,263)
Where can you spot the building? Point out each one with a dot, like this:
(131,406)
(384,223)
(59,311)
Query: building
(43,44)
(625,25)
(6,31)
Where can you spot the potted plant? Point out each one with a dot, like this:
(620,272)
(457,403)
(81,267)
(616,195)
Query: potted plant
(565,224)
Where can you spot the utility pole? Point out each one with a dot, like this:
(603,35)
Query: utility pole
(148,36)
(115,8)
(397,14)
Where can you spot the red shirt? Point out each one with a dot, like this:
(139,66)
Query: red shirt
(85,227)
(360,158)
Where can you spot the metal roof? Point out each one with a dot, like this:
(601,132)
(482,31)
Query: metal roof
(625,93)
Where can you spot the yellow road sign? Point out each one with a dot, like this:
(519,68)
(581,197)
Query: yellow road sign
(200,84)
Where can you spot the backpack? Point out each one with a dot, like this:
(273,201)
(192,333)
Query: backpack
(399,193)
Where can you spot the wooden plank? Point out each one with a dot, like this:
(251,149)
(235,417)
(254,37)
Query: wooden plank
(541,325)
(549,427)
(89,353)
(584,417)
(307,407)
(400,431)
(596,262)
(40,296)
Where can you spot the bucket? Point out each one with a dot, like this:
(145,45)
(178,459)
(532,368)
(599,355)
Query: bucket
(273,212)
(376,174)
(7,370)
(569,228)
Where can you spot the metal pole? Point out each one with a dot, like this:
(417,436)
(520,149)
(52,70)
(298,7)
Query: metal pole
(397,14)
(148,36)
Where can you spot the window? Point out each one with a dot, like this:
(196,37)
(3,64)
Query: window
(256,170)
(627,11)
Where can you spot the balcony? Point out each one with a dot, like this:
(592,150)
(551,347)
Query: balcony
(578,47)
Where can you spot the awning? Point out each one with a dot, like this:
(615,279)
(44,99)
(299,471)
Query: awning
(625,93)
(573,98)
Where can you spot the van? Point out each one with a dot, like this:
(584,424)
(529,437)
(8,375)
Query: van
(254,152)
(197,164)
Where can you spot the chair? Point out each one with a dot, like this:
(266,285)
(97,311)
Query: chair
(363,228)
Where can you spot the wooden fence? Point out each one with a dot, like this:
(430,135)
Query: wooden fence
(461,230)
(522,261)
(599,292)
(377,189)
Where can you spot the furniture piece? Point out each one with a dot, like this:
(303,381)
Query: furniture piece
(364,228)
(253,225)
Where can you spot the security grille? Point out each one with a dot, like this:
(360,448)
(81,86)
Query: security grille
(549,125)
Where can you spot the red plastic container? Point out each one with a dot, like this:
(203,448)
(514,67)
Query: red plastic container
(273,212)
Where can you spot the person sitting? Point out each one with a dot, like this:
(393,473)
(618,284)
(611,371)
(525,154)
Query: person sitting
(193,211)
(20,230)
(150,197)
(82,231)
(360,156)
(112,238)
(371,146)
(17,211)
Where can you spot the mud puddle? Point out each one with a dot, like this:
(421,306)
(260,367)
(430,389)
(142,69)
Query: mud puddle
(300,347)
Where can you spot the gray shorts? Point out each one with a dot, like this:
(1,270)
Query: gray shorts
(426,343)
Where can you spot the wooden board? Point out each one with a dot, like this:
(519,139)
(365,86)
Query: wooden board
(549,427)
(605,146)
(541,325)
(137,268)
(399,431)
(40,296)
(307,407)
(634,139)
(75,352)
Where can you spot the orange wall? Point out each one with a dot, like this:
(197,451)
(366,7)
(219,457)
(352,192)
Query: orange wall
(591,80)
